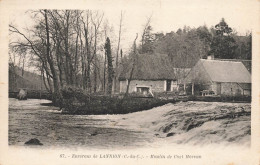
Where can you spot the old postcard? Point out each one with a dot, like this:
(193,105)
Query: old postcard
(129,82)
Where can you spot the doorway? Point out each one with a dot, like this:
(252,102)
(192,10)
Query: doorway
(168,85)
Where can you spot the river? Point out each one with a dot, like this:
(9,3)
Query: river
(30,119)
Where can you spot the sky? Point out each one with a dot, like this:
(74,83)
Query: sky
(167,15)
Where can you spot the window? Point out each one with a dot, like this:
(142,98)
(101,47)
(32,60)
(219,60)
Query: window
(143,90)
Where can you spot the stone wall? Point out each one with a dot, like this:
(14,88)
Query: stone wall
(237,90)
(230,89)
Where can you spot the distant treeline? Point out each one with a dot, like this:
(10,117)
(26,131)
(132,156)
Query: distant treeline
(187,45)
(19,78)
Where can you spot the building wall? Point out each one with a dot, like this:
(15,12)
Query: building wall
(214,87)
(154,85)
(174,86)
(230,89)
(197,75)
(198,88)
(122,86)
(247,92)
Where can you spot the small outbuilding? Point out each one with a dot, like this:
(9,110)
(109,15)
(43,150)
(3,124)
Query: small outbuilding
(218,77)
(152,73)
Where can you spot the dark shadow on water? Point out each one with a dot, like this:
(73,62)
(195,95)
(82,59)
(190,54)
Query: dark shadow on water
(47,104)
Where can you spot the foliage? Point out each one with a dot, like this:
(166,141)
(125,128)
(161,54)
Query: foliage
(222,28)
(67,47)
(33,94)
(110,65)
(223,44)
(148,40)
(244,47)
(187,45)
(222,98)
(79,102)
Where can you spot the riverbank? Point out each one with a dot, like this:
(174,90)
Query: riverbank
(28,119)
(183,123)
(76,101)
(192,123)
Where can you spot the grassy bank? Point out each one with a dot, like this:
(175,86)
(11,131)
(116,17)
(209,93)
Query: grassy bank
(223,98)
(76,101)
(111,105)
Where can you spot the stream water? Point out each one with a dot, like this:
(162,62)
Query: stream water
(30,119)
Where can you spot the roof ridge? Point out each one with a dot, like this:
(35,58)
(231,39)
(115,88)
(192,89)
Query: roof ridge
(221,61)
(224,71)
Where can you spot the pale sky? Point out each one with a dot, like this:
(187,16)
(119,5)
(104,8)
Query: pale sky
(167,15)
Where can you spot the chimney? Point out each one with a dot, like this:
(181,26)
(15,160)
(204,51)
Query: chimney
(210,57)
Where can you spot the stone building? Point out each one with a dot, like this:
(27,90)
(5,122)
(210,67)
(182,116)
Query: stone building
(218,77)
(152,73)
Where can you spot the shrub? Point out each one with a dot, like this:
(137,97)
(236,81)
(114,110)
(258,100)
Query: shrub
(222,98)
(76,101)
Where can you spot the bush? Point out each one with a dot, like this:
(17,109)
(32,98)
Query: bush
(165,94)
(76,101)
(222,98)
(33,94)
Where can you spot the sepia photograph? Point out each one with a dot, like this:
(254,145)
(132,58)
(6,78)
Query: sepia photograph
(176,75)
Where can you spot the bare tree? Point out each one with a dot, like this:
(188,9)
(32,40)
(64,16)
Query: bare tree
(66,48)
(57,92)
(96,20)
(105,59)
(117,51)
(133,66)
(87,54)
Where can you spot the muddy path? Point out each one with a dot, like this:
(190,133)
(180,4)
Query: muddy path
(29,119)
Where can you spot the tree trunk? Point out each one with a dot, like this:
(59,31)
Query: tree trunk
(132,70)
(117,53)
(95,60)
(57,96)
(87,78)
(105,73)
(87,68)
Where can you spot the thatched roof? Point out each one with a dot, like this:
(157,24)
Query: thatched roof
(150,67)
(219,71)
